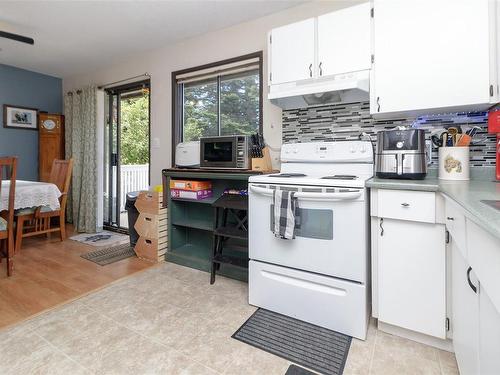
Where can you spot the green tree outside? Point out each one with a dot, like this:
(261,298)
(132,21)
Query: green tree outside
(239,106)
(135,130)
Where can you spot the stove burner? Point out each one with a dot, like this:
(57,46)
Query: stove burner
(288,175)
(340,177)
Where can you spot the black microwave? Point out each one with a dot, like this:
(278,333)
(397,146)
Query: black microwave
(231,152)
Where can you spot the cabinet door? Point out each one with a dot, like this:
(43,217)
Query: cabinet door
(292,52)
(489,335)
(430,54)
(465,314)
(344,40)
(412,276)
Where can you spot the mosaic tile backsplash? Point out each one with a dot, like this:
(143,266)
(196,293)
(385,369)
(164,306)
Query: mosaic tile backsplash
(341,122)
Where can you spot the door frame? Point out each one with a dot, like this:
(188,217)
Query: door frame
(112,92)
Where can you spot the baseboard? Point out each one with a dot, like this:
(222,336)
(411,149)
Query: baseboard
(416,336)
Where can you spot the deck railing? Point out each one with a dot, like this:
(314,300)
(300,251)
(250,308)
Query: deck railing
(132,178)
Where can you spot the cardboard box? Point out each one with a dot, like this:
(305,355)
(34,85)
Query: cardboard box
(189,194)
(192,185)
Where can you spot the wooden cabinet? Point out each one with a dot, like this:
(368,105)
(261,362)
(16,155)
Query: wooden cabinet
(51,142)
(292,52)
(465,313)
(344,40)
(334,43)
(433,54)
(412,276)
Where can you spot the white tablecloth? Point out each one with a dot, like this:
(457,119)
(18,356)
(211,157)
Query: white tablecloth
(30,194)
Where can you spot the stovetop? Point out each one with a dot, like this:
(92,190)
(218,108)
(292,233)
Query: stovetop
(330,164)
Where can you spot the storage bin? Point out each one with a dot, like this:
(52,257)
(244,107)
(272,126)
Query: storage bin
(454,163)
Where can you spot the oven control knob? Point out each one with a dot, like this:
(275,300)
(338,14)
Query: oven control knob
(295,150)
(362,149)
(240,153)
(352,150)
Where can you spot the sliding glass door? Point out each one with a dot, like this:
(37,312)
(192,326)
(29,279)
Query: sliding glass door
(126,149)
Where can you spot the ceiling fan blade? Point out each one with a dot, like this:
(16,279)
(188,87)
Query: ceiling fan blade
(16,37)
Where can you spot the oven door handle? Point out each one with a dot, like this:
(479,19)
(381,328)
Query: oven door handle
(329,196)
(349,195)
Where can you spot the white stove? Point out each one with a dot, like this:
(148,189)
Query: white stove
(322,275)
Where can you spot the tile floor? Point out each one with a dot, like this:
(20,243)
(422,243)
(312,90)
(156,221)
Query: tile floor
(169,320)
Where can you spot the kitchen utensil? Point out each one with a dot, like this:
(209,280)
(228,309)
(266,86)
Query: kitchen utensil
(444,139)
(464,140)
(436,140)
(452,131)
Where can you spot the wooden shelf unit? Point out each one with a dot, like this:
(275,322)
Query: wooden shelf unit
(191,222)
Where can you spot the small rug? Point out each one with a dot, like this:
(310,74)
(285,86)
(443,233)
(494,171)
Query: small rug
(110,255)
(306,344)
(104,238)
(296,370)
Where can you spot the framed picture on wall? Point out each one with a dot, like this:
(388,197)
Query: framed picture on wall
(20,117)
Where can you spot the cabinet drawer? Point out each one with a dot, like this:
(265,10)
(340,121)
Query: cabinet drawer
(455,223)
(407,205)
(328,302)
(483,251)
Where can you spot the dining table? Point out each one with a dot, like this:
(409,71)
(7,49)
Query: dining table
(30,194)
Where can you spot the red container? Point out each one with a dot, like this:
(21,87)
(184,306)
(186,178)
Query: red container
(494,128)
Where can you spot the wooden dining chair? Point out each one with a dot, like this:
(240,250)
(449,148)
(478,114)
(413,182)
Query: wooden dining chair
(36,221)
(8,168)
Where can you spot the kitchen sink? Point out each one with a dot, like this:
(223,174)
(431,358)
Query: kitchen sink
(492,203)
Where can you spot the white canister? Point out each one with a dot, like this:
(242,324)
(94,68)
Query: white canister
(454,163)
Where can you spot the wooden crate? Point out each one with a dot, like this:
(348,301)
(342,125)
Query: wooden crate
(150,202)
(151,225)
(151,249)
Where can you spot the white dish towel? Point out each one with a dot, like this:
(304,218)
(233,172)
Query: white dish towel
(285,210)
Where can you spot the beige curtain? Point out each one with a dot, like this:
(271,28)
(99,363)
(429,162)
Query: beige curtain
(80,110)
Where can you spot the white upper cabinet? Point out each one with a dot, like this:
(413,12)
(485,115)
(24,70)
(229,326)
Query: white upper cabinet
(292,52)
(344,40)
(432,54)
(334,43)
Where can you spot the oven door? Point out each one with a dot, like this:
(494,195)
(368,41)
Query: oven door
(331,232)
(218,152)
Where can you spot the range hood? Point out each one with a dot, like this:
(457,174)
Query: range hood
(341,88)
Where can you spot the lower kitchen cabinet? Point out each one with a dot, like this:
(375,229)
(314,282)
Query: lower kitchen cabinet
(412,275)
(489,335)
(465,313)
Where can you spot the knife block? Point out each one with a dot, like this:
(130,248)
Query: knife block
(263,164)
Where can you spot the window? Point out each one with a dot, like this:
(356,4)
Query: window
(218,99)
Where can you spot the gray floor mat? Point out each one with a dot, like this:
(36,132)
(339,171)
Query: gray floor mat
(306,344)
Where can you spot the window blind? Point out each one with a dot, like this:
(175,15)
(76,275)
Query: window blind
(225,69)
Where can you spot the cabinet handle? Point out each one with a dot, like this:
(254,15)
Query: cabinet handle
(310,70)
(472,286)
(405,204)
(378,103)
(320,69)
(450,218)
(381,227)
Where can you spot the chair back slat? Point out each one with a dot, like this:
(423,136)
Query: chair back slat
(60,175)
(8,168)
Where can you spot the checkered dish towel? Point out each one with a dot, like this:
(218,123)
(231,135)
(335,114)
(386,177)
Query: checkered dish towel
(285,211)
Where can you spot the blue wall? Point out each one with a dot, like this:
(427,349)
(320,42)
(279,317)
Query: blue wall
(27,89)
